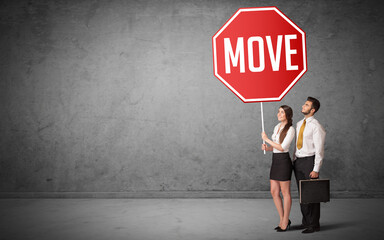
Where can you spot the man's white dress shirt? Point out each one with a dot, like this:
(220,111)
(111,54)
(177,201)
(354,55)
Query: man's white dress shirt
(313,141)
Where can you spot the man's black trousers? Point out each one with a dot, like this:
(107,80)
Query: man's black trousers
(310,211)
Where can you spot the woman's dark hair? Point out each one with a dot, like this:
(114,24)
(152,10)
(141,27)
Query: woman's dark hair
(288,114)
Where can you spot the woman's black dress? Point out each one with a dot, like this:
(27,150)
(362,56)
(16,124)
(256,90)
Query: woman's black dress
(281,169)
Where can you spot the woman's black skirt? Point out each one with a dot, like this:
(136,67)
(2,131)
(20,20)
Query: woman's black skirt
(281,169)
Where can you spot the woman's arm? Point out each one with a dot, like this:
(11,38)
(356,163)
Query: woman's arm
(270,142)
(266,147)
(288,139)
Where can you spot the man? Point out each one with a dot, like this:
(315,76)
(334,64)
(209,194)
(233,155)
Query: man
(308,158)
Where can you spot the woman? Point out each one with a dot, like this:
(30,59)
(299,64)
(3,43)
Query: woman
(281,169)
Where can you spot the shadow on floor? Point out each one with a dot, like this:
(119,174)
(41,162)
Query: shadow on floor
(332,226)
(340,225)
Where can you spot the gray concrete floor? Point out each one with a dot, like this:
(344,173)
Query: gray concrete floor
(195,219)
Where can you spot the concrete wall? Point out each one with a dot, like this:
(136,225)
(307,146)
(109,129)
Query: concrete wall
(120,96)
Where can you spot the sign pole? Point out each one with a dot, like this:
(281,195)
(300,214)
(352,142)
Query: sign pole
(262,120)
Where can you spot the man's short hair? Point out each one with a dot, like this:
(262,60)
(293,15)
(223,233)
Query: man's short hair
(315,103)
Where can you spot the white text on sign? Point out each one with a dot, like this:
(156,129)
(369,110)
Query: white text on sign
(238,56)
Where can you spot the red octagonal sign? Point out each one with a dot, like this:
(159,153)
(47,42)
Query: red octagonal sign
(259,54)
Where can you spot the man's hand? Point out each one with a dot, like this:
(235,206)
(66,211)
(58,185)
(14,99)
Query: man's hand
(314,174)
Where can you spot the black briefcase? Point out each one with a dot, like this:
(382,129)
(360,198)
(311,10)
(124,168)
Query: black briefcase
(314,191)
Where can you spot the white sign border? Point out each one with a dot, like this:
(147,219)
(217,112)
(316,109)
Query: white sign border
(286,19)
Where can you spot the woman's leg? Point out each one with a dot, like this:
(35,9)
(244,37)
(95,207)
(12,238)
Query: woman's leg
(286,192)
(275,192)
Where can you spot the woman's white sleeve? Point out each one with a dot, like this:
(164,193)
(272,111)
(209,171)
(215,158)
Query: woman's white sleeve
(288,139)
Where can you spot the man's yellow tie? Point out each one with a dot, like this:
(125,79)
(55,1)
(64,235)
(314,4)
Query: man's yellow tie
(300,140)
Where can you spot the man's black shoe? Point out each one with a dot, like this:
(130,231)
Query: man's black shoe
(299,227)
(311,230)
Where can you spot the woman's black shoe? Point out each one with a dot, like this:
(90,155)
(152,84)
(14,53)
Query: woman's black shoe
(283,230)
